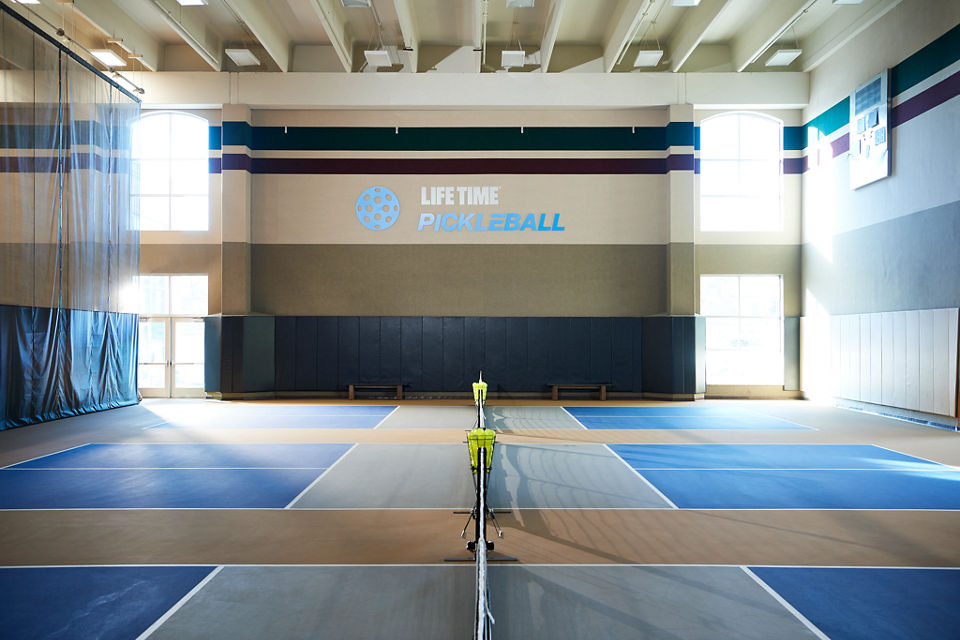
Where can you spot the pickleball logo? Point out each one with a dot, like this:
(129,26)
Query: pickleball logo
(378,208)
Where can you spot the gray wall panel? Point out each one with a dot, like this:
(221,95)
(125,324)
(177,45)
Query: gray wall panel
(906,263)
(459,280)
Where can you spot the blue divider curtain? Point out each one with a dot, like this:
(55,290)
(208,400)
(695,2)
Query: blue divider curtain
(69,232)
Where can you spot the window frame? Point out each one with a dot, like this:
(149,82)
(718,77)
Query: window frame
(777,221)
(171,160)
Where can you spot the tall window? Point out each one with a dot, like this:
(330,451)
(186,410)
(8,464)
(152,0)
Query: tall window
(740,176)
(172,151)
(744,328)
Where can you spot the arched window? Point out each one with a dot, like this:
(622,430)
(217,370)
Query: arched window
(740,175)
(172,151)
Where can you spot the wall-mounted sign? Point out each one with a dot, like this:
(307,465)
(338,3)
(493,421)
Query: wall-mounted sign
(476,208)
(869,132)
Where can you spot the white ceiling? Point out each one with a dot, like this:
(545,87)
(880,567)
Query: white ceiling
(587,36)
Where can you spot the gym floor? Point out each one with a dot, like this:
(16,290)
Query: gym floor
(297,519)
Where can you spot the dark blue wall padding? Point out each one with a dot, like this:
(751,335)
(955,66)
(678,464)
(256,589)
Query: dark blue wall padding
(673,355)
(446,353)
(90,602)
(239,353)
(56,363)
(854,603)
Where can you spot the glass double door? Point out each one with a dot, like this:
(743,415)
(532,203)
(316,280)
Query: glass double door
(171,357)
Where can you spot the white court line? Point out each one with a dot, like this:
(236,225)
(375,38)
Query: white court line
(466,507)
(47,455)
(384,418)
(159,622)
(639,475)
(325,472)
(910,455)
(525,564)
(164,468)
(582,426)
(915,468)
(786,605)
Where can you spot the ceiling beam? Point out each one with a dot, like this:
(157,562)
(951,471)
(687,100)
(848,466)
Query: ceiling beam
(766,28)
(114,23)
(550,30)
(408,27)
(844,25)
(337,31)
(690,32)
(196,43)
(626,24)
(480,32)
(266,28)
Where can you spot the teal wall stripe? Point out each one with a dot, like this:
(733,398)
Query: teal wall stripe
(458,138)
(213,142)
(934,57)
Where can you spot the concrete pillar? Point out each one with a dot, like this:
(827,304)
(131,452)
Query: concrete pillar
(681,271)
(235,211)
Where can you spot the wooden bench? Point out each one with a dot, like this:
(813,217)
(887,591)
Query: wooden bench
(351,389)
(600,386)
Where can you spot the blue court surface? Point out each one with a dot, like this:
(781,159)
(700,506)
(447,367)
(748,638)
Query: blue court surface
(167,476)
(199,415)
(660,417)
(854,603)
(717,476)
(90,602)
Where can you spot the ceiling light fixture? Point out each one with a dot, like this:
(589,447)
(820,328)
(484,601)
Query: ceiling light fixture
(108,58)
(520,4)
(242,57)
(378,58)
(648,58)
(783,57)
(847,1)
(191,3)
(686,3)
(356,4)
(511,59)
(27,1)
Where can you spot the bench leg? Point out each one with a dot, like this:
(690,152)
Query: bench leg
(603,392)
(399,392)
(350,392)
(556,393)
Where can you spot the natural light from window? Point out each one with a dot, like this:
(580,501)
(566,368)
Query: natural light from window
(744,317)
(740,174)
(171,150)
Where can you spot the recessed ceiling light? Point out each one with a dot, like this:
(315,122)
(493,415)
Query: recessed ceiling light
(520,4)
(783,57)
(109,58)
(686,3)
(365,4)
(191,3)
(648,58)
(242,57)
(378,58)
(510,59)
(27,1)
(847,1)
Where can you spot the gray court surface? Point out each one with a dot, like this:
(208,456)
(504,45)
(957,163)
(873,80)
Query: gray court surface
(328,602)
(409,476)
(513,418)
(426,602)
(412,417)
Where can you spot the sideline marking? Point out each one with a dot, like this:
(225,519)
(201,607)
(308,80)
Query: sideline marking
(325,471)
(46,455)
(200,585)
(639,475)
(384,418)
(786,605)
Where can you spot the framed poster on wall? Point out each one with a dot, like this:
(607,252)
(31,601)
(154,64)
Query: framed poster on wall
(869,131)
